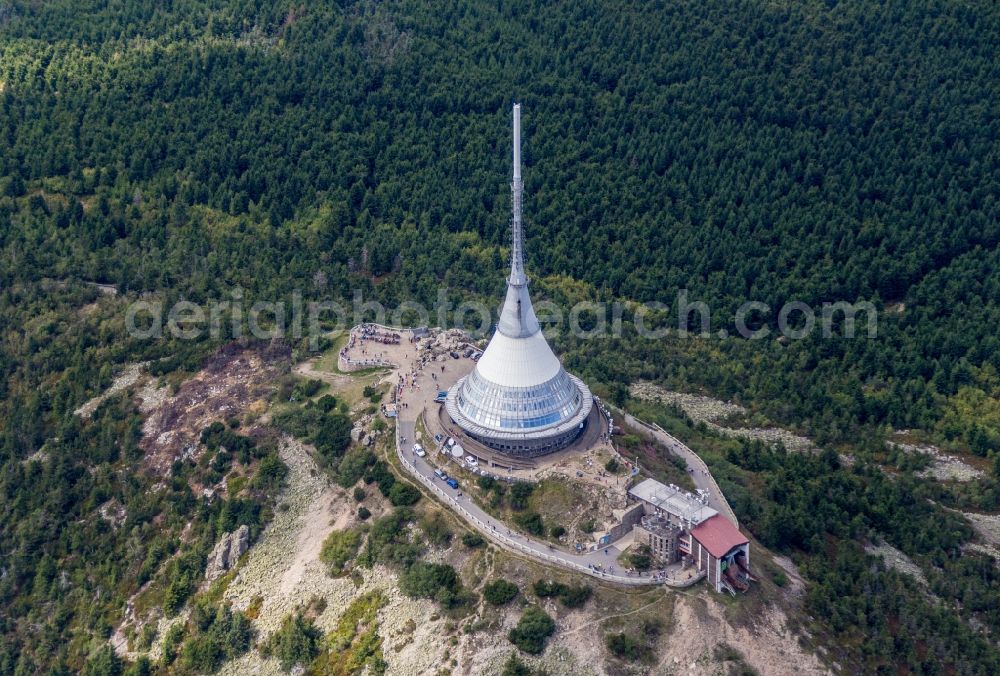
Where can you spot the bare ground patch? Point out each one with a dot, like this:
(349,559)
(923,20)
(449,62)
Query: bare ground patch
(770,646)
(943,467)
(230,382)
(897,560)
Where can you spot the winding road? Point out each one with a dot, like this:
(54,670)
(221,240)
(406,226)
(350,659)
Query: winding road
(595,563)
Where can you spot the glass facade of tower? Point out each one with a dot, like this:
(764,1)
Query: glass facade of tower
(518,408)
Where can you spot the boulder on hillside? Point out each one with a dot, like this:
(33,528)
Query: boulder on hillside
(227,552)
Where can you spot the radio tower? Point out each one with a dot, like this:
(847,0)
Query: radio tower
(519,400)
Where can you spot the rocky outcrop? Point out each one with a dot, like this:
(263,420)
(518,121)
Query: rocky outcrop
(362,431)
(227,552)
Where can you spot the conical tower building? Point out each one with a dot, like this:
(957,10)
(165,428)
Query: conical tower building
(519,400)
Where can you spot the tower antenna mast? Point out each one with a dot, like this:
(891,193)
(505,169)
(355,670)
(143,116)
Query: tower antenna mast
(517,276)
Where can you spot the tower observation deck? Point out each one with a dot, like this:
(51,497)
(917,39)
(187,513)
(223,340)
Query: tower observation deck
(519,400)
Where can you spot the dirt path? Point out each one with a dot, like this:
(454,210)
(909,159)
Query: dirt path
(613,616)
(307,369)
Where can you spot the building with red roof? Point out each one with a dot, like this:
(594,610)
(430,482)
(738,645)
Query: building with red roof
(717,545)
(678,525)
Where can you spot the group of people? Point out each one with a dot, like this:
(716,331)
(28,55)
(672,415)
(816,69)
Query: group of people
(370,332)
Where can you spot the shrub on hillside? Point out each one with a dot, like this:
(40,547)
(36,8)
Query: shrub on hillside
(515,667)
(380,474)
(641,558)
(519,494)
(296,642)
(531,522)
(499,592)
(389,542)
(437,581)
(270,474)
(403,495)
(627,647)
(353,466)
(473,540)
(338,549)
(571,596)
(532,630)
(435,527)
(219,635)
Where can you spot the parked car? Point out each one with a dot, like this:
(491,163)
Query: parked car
(455,355)
(439,474)
(452,483)
(419,451)
(468,352)
(438,437)
(472,462)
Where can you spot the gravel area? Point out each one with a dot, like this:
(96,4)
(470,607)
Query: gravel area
(700,624)
(274,556)
(987,525)
(897,560)
(708,410)
(127,378)
(944,467)
(283,569)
